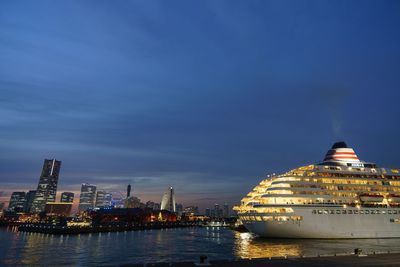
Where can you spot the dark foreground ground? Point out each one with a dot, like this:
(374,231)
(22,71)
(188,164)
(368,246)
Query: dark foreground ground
(379,260)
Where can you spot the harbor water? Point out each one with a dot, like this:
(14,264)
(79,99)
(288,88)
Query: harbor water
(166,245)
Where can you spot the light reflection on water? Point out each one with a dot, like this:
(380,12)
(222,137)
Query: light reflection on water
(249,247)
(168,245)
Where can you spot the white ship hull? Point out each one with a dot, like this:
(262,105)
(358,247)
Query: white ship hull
(327,225)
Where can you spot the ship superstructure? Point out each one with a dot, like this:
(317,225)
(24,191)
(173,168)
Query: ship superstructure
(341,197)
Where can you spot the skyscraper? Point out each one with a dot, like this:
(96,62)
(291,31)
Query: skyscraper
(29,200)
(217,211)
(47,187)
(87,197)
(108,200)
(208,212)
(100,199)
(17,202)
(67,197)
(128,191)
(226,210)
(168,200)
(179,208)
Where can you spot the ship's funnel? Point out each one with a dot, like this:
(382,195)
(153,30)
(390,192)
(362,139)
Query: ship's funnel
(341,153)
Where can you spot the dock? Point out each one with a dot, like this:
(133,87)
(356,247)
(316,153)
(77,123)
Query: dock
(61,230)
(386,259)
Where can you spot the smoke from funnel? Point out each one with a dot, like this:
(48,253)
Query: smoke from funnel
(336,125)
(333,100)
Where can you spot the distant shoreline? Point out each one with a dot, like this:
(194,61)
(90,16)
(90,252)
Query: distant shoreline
(61,230)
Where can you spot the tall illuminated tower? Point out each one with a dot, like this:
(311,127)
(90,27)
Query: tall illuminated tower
(168,200)
(87,199)
(47,187)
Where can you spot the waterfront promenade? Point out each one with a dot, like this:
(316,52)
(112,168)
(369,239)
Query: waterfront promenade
(350,260)
(61,230)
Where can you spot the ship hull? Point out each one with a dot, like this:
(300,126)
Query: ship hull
(314,225)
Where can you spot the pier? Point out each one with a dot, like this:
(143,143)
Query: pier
(61,230)
(345,260)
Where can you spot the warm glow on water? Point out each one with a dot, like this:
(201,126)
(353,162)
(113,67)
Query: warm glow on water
(170,245)
(248,247)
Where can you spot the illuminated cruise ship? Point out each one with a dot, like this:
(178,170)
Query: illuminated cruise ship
(341,197)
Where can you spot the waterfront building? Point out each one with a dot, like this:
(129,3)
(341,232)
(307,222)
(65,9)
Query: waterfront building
(67,197)
(225,210)
(132,202)
(29,200)
(108,200)
(150,205)
(118,199)
(87,197)
(100,199)
(340,197)
(208,212)
(179,209)
(58,208)
(168,200)
(47,186)
(217,211)
(107,217)
(17,201)
(191,210)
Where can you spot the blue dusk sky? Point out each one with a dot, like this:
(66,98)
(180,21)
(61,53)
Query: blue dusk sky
(206,96)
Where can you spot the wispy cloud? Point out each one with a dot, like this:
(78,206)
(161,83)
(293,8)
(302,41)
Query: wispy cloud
(208,97)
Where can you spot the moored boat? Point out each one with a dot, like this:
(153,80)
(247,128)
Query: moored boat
(323,200)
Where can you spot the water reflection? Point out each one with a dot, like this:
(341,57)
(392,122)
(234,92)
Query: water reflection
(249,247)
(168,245)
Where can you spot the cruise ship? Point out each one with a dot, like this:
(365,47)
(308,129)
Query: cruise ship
(341,197)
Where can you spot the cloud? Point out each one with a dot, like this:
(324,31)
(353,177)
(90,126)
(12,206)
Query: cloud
(204,99)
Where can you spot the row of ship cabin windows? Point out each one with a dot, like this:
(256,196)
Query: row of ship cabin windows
(335,181)
(272,218)
(350,175)
(332,185)
(354,212)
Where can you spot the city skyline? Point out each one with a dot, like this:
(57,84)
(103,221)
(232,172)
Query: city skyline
(75,195)
(208,97)
(90,197)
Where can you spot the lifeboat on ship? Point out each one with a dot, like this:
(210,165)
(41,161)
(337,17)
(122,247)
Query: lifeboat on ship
(394,198)
(370,197)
